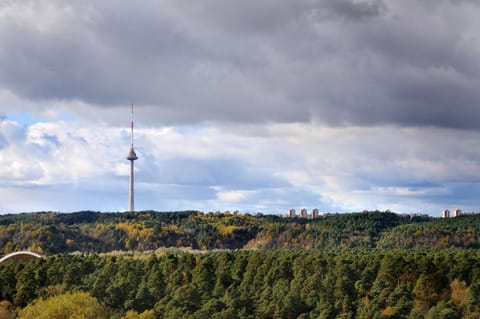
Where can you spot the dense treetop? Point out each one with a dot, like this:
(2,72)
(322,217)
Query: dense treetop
(330,284)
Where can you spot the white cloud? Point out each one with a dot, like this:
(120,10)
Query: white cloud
(239,167)
(232,196)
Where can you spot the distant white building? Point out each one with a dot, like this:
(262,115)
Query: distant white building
(303,213)
(291,213)
(457,212)
(315,213)
(446,213)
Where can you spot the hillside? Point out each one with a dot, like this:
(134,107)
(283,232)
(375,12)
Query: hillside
(51,233)
(459,232)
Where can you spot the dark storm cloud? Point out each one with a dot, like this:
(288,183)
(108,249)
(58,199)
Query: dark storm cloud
(90,53)
(352,10)
(340,62)
(269,16)
(451,195)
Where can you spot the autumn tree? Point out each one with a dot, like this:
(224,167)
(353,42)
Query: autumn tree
(69,305)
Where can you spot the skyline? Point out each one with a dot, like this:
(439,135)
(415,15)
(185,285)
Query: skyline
(339,105)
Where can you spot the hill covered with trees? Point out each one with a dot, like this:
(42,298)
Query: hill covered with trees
(52,233)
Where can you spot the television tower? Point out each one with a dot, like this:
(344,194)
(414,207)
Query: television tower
(132,156)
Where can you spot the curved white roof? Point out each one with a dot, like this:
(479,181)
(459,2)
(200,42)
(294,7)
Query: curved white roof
(20,253)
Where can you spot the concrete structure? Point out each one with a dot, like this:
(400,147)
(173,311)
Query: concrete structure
(132,156)
(446,213)
(457,212)
(303,213)
(20,256)
(291,213)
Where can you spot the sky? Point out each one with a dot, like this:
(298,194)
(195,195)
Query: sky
(256,106)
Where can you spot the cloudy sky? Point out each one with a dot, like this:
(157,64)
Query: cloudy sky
(249,105)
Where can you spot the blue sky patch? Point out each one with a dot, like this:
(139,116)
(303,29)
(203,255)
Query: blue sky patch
(23,118)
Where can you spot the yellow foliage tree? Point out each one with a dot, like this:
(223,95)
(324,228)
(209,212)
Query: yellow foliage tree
(459,293)
(147,314)
(79,305)
(387,311)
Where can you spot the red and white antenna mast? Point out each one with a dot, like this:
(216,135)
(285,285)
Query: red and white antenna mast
(132,156)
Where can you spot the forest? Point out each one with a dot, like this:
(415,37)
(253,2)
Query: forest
(53,233)
(354,283)
(226,265)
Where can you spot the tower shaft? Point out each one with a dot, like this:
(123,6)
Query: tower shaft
(131,201)
(132,156)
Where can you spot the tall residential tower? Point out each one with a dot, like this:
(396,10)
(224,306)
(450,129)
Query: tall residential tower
(132,156)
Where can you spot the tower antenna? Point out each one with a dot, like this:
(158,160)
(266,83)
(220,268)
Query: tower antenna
(131,124)
(132,156)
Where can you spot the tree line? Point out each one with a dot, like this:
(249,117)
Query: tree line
(355,283)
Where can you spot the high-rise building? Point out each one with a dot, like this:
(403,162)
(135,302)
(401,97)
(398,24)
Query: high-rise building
(291,213)
(457,212)
(315,213)
(303,213)
(132,156)
(446,213)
